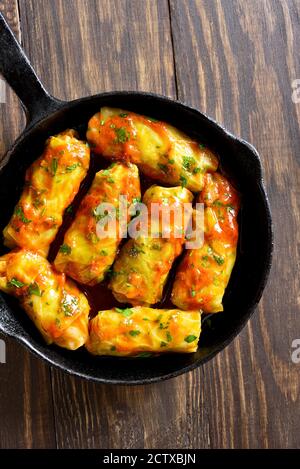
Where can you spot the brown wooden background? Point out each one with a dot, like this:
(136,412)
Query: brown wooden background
(234,60)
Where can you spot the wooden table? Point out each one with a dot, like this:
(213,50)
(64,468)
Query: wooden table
(236,61)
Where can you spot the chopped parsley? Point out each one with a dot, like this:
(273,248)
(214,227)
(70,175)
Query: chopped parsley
(169,337)
(113,348)
(134,333)
(65,249)
(69,306)
(123,114)
(125,312)
(34,289)
(54,166)
(134,251)
(20,214)
(136,200)
(103,252)
(69,209)
(14,282)
(183,180)
(72,167)
(163,344)
(188,162)
(152,119)
(121,135)
(219,260)
(163,167)
(193,293)
(196,170)
(144,355)
(190,338)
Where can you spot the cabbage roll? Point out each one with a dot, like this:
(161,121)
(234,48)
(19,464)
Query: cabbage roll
(54,303)
(140,330)
(142,267)
(160,151)
(51,183)
(204,273)
(83,256)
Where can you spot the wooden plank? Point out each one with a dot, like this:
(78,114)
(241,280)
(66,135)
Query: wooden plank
(97,46)
(26,412)
(236,60)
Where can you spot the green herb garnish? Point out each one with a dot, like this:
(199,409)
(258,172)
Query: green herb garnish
(134,333)
(54,166)
(126,312)
(20,214)
(65,249)
(169,337)
(122,135)
(34,289)
(219,260)
(183,180)
(14,282)
(190,338)
(188,162)
(163,167)
(72,167)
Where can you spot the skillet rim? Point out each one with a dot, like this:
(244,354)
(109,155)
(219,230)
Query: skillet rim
(56,106)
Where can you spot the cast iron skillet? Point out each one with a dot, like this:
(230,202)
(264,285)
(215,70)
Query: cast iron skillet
(47,116)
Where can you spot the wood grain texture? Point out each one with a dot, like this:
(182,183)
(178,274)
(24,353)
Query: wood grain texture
(234,60)
(26,412)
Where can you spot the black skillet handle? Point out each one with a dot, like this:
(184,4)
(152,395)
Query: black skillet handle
(19,74)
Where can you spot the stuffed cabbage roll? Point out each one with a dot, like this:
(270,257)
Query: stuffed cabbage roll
(141,269)
(54,303)
(51,184)
(140,330)
(204,273)
(160,151)
(84,256)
